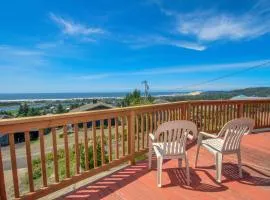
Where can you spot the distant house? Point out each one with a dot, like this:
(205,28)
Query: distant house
(93,106)
(159,101)
(4,140)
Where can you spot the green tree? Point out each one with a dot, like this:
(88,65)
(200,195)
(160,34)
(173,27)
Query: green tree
(132,99)
(60,109)
(23,110)
(33,112)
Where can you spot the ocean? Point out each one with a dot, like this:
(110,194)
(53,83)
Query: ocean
(66,96)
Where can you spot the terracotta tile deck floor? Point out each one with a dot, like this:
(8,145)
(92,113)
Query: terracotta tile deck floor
(137,182)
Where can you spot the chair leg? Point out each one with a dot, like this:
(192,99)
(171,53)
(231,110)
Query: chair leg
(159,171)
(179,162)
(150,157)
(239,164)
(187,170)
(218,157)
(197,154)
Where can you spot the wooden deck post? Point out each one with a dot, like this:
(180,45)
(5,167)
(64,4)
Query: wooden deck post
(3,195)
(241,110)
(131,139)
(188,109)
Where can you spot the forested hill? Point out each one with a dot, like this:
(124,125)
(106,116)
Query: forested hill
(211,95)
(256,91)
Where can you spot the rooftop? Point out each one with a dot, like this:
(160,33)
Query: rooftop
(93,106)
(137,182)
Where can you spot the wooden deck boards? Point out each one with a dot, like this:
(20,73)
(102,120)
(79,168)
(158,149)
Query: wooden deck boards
(137,182)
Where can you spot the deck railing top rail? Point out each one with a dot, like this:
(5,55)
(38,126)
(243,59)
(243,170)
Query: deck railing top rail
(55,119)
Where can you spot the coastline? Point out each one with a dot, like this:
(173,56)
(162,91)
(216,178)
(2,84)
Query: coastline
(6,98)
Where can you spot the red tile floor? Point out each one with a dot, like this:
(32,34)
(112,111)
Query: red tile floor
(137,182)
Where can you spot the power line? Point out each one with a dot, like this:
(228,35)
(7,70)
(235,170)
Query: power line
(226,75)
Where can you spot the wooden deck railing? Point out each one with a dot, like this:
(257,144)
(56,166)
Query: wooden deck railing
(111,136)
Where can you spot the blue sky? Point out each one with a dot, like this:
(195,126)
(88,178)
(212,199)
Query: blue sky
(104,46)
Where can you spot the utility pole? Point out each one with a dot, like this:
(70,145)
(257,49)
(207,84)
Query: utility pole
(146,89)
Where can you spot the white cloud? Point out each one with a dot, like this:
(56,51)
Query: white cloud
(71,28)
(179,70)
(212,26)
(151,40)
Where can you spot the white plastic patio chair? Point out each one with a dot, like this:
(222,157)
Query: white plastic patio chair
(227,141)
(169,142)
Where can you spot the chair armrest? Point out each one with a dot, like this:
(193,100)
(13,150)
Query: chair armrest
(204,134)
(152,137)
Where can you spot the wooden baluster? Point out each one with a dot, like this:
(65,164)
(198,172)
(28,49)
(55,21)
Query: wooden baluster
(55,157)
(183,112)
(3,194)
(261,115)
(264,115)
(159,118)
(142,129)
(116,138)
(201,116)
(131,136)
(249,111)
(209,122)
(66,152)
(228,111)
(155,120)
(110,139)
(254,111)
(14,165)
(29,161)
(137,133)
(147,127)
(225,113)
(164,116)
(77,153)
(123,135)
(244,110)
(94,143)
(205,128)
(235,111)
(222,115)
(43,157)
(217,117)
(212,112)
(205,118)
(102,142)
(151,123)
(193,114)
(86,150)
(267,114)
